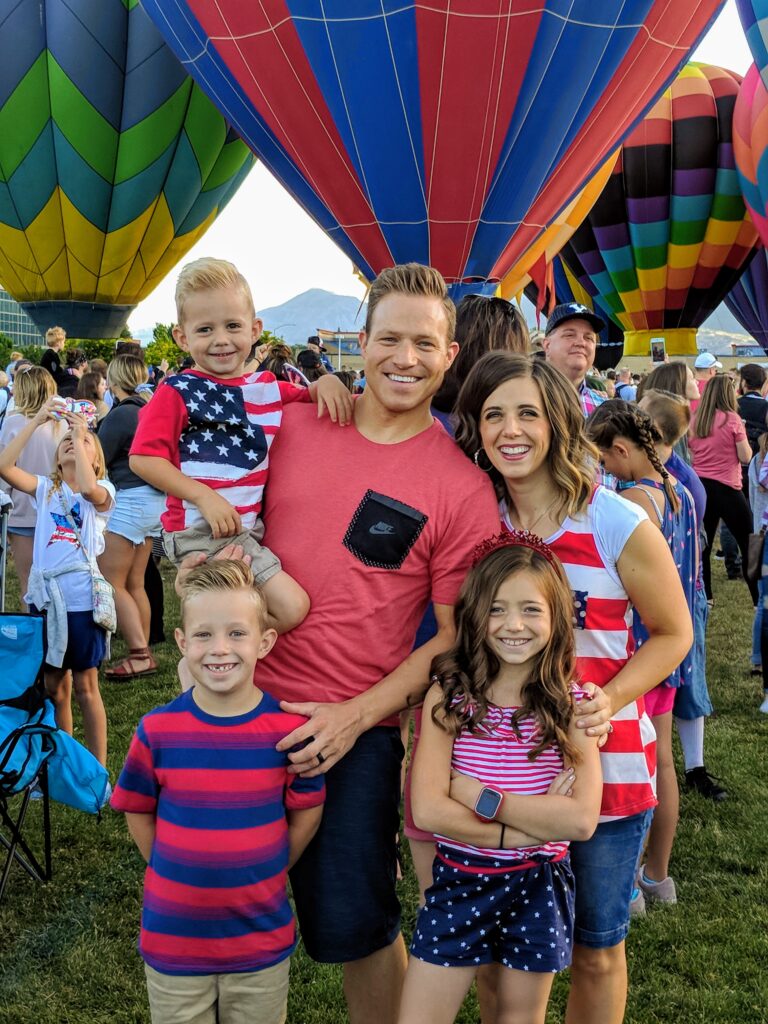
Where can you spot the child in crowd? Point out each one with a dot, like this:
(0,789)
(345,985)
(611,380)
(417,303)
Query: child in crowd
(489,780)
(215,813)
(72,506)
(204,439)
(55,340)
(627,439)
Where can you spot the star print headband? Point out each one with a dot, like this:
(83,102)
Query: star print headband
(513,539)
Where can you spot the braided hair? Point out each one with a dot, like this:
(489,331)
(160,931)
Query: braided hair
(624,419)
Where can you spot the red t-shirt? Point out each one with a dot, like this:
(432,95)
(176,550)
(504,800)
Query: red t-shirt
(372,532)
(715,457)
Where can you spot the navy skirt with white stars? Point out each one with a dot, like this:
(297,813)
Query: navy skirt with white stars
(521,918)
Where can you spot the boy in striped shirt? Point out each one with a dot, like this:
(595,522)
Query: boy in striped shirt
(204,439)
(215,813)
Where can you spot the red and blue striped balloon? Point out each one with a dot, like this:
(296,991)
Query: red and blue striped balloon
(450,132)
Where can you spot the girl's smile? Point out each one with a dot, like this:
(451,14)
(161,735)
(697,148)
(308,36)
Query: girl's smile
(520,622)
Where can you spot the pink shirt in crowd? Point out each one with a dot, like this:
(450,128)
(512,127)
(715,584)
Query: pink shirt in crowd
(715,457)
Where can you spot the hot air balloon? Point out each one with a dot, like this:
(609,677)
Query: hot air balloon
(566,288)
(670,235)
(754,20)
(748,299)
(112,161)
(449,133)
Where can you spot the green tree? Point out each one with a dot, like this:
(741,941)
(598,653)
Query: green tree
(163,346)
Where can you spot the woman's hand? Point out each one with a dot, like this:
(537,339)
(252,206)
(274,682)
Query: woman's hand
(562,784)
(51,410)
(595,714)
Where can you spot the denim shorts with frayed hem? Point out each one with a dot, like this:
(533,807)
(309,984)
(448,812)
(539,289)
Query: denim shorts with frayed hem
(604,868)
(136,514)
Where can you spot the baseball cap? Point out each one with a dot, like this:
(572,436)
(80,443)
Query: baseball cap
(573,311)
(314,339)
(705,361)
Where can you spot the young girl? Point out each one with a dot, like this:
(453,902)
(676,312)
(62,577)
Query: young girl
(488,779)
(627,439)
(60,580)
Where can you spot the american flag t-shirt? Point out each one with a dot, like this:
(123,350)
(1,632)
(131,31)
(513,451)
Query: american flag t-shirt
(218,432)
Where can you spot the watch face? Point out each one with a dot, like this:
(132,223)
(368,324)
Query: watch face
(488,804)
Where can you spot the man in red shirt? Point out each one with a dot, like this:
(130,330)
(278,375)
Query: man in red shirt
(397,509)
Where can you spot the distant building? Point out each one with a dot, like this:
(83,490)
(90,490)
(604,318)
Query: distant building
(341,347)
(16,324)
(747,350)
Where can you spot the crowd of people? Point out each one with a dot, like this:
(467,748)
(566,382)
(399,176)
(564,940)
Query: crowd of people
(516,547)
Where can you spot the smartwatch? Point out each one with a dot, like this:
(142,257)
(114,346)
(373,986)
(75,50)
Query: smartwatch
(488,803)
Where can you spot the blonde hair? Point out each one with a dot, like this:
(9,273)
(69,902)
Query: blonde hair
(224,576)
(54,334)
(719,396)
(572,458)
(670,413)
(99,462)
(411,279)
(127,372)
(32,389)
(207,274)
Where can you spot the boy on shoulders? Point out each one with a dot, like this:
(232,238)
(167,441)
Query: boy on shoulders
(204,439)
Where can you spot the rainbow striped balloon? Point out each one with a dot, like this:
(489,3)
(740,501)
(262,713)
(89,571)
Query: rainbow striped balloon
(670,234)
(113,162)
(754,21)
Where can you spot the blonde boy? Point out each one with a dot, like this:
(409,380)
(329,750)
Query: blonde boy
(215,813)
(204,439)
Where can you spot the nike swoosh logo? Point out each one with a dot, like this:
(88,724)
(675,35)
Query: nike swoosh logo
(382,528)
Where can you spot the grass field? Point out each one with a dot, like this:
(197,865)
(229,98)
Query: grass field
(67,949)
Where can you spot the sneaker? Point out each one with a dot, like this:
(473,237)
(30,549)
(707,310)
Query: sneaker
(637,904)
(706,785)
(657,892)
(764,705)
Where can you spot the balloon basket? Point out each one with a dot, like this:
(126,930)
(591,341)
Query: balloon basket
(678,341)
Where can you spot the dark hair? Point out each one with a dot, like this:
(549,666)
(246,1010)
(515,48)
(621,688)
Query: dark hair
(276,360)
(467,671)
(347,378)
(129,348)
(753,375)
(88,386)
(572,458)
(670,377)
(76,357)
(625,419)
(484,323)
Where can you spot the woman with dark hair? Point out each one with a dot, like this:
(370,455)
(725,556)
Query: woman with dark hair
(484,323)
(719,448)
(521,421)
(675,377)
(76,365)
(92,386)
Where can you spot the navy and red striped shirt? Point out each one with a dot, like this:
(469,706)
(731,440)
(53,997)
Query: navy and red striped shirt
(215,899)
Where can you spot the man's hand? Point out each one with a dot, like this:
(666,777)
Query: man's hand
(223,520)
(330,733)
(331,395)
(594,714)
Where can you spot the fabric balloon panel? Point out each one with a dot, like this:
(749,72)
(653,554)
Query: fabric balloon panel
(754,20)
(670,234)
(112,161)
(435,132)
(748,299)
(750,127)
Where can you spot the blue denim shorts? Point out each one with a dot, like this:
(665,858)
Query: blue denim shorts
(136,514)
(344,883)
(86,643)
(692,700)
(605,868)
(522,919)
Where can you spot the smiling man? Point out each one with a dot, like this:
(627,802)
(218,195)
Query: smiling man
(569,345)
(401,509)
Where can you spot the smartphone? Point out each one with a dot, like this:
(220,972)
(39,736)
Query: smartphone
(658,351)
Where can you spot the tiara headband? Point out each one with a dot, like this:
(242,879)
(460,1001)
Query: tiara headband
(513,539)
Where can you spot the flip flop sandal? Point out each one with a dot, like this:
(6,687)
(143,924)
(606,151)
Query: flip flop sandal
(125,670)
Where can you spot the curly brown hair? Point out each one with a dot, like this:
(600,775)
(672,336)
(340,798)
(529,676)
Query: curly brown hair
(468,670)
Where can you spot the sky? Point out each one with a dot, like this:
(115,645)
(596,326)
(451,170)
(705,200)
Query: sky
(282,252)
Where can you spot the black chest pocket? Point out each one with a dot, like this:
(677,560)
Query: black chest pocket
(383,531)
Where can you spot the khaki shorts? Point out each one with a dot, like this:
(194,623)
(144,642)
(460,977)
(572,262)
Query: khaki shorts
(256,996)
(196,539)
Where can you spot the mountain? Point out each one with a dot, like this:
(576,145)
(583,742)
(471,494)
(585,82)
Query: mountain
(301,316)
